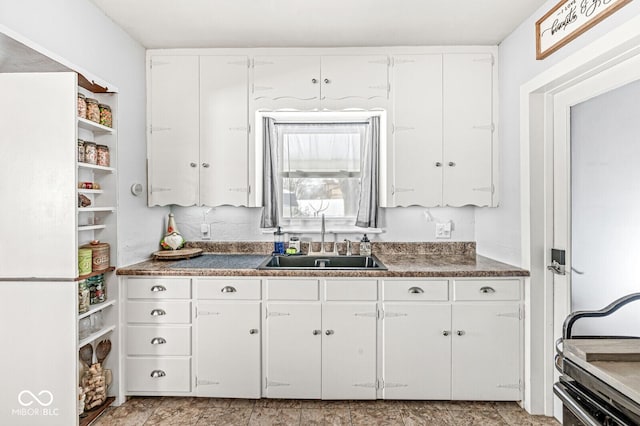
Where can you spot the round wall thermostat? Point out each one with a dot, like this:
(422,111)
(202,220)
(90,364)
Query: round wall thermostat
(136,189)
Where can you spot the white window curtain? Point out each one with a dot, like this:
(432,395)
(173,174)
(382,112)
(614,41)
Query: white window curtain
(368,206)
(270,177)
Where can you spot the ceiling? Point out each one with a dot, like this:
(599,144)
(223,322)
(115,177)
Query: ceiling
(320,23)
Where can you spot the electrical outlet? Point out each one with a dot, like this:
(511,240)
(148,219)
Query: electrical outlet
(205,231)
(443,230)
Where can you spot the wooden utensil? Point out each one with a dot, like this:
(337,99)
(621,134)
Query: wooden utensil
(102,350)
(86,354)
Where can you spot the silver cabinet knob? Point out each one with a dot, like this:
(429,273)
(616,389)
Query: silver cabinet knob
(228,289)
(157,288)
(329,332)
(416,290)
(193,164)
(158,373)
(205,165)
(452,164)
(487,290)
(314,80)
(445,332)
(327,81)
(158,312)
(158,341)
(316,332)
(460,332)
(253,331)
(438,164)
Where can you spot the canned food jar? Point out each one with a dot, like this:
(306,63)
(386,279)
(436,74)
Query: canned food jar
(93,110)
(106,118)
(103,155)
(82,106)
(80,151)
(97,293)
(83,297)
(85,256)
(90,152)
(99,255)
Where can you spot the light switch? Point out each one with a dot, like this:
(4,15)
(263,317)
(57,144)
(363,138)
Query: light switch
(443,230)
(205,231)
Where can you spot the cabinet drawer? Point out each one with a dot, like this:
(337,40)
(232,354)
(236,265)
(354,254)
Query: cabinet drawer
(158,288)
(486,290)
(159,312)
(292,290)
(158,374)
(351,290)
(154,340)
(437,290)
(228,289)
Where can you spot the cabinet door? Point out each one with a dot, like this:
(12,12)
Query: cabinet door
(416,351)
(486,352)
(354,81)
(228,349)
(349,351)
(224,137)
(278,78)
(468,129)
(292,350)
(173,130)
(417,130)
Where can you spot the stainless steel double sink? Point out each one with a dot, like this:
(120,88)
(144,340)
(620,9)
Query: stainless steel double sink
(278,262)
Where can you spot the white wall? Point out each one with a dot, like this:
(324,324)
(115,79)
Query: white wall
(498,230)
(77,31)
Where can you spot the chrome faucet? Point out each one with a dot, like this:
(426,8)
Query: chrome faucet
(348,241)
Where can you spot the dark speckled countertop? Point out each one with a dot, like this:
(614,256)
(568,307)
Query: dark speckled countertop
(454,259)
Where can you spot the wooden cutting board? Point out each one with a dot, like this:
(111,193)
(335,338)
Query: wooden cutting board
(591,350)
(184,253)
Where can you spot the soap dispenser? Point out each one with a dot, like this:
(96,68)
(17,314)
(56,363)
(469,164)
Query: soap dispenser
(278,241)
(365,246)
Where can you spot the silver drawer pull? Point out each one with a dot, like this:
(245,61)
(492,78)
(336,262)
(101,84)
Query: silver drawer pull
(460,332)
(157,288)
(158,373)
(158,312)
(316,332)
(416,290)
(158,341)
(253,331)
(445,332)
(487,290)
(329,332)
(228,289)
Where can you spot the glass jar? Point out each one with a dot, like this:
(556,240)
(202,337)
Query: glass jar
(93,110)
(82,106)
(84,327)
(103,155)
(96,322)
(97,293)
(83,297)
(106,118)
(94,387)
(80,151)
(90,152)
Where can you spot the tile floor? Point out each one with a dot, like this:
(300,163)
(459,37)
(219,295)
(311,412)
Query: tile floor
(177,411)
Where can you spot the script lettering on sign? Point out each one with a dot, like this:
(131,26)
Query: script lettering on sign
(568,19)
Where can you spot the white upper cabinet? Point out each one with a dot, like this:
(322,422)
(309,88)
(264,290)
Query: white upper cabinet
(468,129)
(173,146)
(198,133)
(224,132)
(417,131)
(310,82)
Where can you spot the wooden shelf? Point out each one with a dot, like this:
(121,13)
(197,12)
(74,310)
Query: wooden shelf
(97,307)
(96,167)
(90,227)
(90,416)
(95,336)
(93,126)
(94,273)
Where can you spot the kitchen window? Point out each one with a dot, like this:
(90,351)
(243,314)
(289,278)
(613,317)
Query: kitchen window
(314,168)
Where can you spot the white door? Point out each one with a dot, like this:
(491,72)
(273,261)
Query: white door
(468,129)
(173,137)
(354,81)
(417,130)
(228,355)
(486,352)
(293,339)
(416,351)
(224,131)
(349,350)
(281,78)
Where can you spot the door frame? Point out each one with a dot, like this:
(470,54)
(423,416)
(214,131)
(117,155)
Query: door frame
(544,102)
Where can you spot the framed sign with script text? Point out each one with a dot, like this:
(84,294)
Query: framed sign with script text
(568,19)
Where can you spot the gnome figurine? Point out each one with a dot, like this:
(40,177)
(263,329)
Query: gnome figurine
(172,239)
